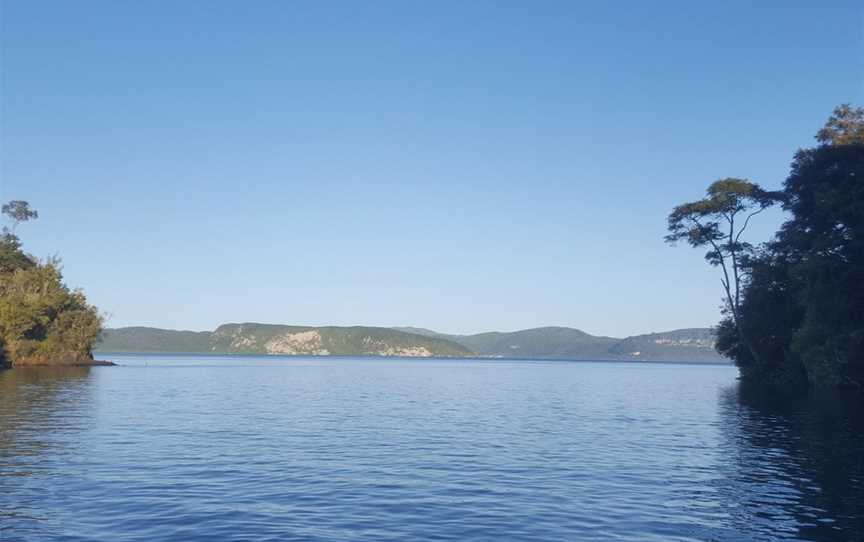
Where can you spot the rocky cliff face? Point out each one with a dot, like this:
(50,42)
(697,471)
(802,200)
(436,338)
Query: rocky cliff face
(328,341)
(300,342)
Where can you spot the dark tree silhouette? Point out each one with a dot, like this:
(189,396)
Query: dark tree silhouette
(799,315)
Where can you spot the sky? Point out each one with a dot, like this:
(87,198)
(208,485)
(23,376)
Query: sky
(461,166)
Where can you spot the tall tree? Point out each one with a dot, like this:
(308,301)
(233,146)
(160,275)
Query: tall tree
(718,222)
(18,211)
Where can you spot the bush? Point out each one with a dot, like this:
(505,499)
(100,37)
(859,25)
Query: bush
(42,321)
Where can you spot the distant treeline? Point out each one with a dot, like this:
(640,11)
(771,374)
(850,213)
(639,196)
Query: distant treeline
(42,321)
(795,305)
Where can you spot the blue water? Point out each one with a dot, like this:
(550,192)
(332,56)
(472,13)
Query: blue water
(253,448)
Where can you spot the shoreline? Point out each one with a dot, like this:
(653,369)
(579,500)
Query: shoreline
(94,363)
(720,362)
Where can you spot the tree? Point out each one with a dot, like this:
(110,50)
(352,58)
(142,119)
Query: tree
(825,235)
(18,211)
(718,221)
(845,126)
(770,313)
(11,255)
(44,322)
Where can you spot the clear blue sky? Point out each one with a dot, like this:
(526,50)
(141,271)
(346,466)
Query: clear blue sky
(462,166)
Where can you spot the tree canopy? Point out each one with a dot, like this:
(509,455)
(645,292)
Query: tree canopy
(18,211)
(844,127)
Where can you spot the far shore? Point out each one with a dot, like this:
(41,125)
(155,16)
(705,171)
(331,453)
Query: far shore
(415,358)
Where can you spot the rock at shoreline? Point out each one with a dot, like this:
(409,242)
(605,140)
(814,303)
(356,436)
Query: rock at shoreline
(97,363)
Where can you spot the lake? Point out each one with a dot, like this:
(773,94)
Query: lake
(336,449)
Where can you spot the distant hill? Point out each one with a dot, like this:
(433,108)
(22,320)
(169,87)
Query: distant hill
(151,339)
(694,344)
(250,338)
(543,342)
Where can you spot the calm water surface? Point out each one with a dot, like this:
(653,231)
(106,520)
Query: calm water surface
(247,448)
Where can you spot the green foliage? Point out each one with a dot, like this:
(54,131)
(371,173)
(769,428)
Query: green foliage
(719,220)
(714,220)
(826,239)
(844,127)
(42,321)
(11,255)
(803,301)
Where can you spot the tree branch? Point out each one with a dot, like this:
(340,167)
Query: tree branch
(732,306)
(747,221)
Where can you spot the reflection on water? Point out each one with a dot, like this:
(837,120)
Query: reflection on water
(36,405)
(228,448)
(35,400)
(795,464)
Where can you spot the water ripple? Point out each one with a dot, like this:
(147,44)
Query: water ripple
(332,450)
